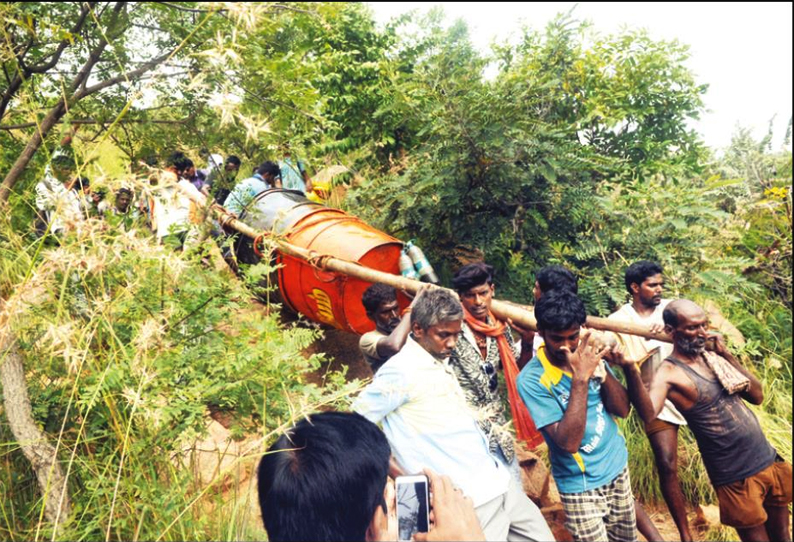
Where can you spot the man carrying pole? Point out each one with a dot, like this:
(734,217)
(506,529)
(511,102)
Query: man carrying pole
(752,482)
(486,346)
(645,283)
(424,414)
(574,397)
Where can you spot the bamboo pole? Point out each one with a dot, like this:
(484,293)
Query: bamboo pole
(522,315)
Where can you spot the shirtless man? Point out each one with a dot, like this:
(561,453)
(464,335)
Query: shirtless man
(753,484)
(391,328)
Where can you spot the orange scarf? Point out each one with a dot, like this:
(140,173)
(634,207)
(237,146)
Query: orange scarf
(525,427)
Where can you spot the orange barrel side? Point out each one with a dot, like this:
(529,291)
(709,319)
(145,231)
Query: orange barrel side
(325,297)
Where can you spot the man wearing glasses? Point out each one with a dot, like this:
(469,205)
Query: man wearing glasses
(486,346)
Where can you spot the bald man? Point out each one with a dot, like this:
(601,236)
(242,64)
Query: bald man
(752,482)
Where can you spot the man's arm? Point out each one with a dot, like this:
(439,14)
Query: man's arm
(241,196)
(615,396)
(307,181)
(384,395)
(648,405)
(393,343)
(569,432)
(527,339)
(755,392)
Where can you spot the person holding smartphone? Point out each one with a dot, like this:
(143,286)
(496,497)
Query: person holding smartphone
(326,478)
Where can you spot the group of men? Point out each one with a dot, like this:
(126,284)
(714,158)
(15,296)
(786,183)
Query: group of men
(287,173)
(437,398)
(63,200)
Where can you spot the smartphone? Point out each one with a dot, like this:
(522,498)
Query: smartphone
(413,506)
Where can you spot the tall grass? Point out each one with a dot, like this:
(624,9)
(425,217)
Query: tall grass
(126,352)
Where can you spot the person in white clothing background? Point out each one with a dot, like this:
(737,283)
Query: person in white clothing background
(645,284)
(171,208)
(57,202)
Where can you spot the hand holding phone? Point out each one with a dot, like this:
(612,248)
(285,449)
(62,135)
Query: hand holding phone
(452,515)
(413,506)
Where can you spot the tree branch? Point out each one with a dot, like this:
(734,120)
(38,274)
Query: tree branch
(132,74)
(284,7)
(279,103)
(56,55)
(33,442)
(190,10)
(22,126)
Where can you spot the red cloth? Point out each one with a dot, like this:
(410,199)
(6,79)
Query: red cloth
(525,427)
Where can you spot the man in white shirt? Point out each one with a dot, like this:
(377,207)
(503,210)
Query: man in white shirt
(56,202)
(171,208)
(417,399)
(645,283)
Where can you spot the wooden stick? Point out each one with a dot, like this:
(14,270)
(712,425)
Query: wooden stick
(522,315)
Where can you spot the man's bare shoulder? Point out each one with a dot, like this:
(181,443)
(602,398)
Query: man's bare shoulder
(668,371)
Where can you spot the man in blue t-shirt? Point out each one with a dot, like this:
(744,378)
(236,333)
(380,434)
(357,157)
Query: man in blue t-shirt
(572,396)
(265,177)
(293,172)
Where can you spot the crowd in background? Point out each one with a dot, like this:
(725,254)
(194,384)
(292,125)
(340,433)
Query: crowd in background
(165,202)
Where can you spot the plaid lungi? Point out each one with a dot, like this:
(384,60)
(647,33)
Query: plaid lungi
(602,514)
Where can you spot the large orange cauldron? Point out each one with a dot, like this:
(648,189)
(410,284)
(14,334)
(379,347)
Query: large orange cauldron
(321,296)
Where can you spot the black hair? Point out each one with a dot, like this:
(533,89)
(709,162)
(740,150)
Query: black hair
(559,310)
(639,271)
(234,160)
(174,156)
(377,294)
(150,159)
(82,183)
(472,275)
(63,161)
(124,191)
(189,163)
(179,161)
(269,167)
(324,479)
(556,277)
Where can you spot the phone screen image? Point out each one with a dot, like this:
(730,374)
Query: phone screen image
(412,506)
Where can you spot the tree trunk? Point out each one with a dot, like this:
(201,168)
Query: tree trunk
(52,118)
(8,94)
(78,91)
(30,438)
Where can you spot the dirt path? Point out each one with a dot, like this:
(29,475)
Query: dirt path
(666,526)
(341,349)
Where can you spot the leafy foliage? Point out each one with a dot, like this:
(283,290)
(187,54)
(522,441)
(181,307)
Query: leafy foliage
(570,147)
(134,345)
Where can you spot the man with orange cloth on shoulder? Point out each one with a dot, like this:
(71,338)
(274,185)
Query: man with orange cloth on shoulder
(487,345)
